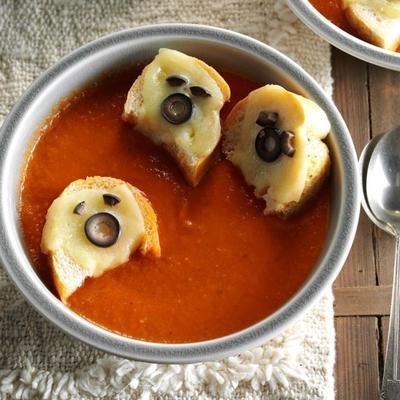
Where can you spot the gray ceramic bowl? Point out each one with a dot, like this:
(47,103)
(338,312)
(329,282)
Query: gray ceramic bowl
(343,40)
(222,49)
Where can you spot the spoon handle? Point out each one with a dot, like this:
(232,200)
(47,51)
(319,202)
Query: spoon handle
(391,374)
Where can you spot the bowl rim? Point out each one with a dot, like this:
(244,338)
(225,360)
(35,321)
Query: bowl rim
(341,39)
(64,318)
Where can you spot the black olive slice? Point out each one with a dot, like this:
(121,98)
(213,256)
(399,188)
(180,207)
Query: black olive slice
(80,208)
(111,199)
(199,91)
(268,144)
(267,118)
(176,80)
(287,139)
(102,229)
(177,108)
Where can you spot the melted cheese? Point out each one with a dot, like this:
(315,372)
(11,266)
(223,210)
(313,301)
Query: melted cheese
(387,8)
(284,179)
(65,231)
(198,136)
(315,120)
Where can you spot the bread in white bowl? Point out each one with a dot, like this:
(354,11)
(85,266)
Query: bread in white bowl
(95,225)
(176,102)
(275,138)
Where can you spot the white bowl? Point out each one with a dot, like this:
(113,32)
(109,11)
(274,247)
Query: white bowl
(341,39)
(223,49)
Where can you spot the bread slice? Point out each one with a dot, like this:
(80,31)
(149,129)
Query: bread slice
(194,155)
(68,276)
(373,25)
(309,121)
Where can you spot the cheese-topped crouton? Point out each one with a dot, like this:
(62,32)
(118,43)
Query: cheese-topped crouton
(274,137)
(176,103)
(93,226)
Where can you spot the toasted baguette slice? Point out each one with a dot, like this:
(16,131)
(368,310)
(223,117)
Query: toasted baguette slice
(299,178)
(193,144)
(373,25)
(68,276)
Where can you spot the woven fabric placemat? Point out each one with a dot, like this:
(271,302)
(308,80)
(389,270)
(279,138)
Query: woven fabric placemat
(37,361)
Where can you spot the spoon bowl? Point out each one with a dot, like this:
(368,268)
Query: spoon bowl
(364,160)
(383,181)
(380,169)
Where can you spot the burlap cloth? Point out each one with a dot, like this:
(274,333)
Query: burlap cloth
(38,361)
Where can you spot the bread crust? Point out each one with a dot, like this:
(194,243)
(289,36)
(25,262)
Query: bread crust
(150,246)
(62,289)
(230,134)
(134,100)
(367,32)
(192,173)
(224,87)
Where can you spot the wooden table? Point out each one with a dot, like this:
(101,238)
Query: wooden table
(369,100)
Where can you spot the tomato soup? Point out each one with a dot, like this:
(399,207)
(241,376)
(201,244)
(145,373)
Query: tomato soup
(332,10)
(224,265)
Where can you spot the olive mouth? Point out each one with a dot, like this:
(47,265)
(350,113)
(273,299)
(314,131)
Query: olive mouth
(271,141)
(177,108)
(102,229)
(268,144)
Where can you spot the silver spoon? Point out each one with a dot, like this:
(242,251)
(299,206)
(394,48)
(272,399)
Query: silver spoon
(380,173)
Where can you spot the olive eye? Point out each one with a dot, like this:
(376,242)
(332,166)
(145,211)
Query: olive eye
(177,108)
(102,229)
(268,144)
(267,118)
(80,208)
(199,91)
(111,199)
(176,80)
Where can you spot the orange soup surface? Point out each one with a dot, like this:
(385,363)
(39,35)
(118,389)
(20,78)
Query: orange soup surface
(224,265)
(332,10)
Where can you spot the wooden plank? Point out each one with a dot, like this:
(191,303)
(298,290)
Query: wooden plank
(384,86)
(384,335)
(356,301)
(357,368)
(357,357)
(384,254)
(363,300)
(351,97)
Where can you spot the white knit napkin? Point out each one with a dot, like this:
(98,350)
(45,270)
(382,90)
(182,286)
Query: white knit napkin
(37,361)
